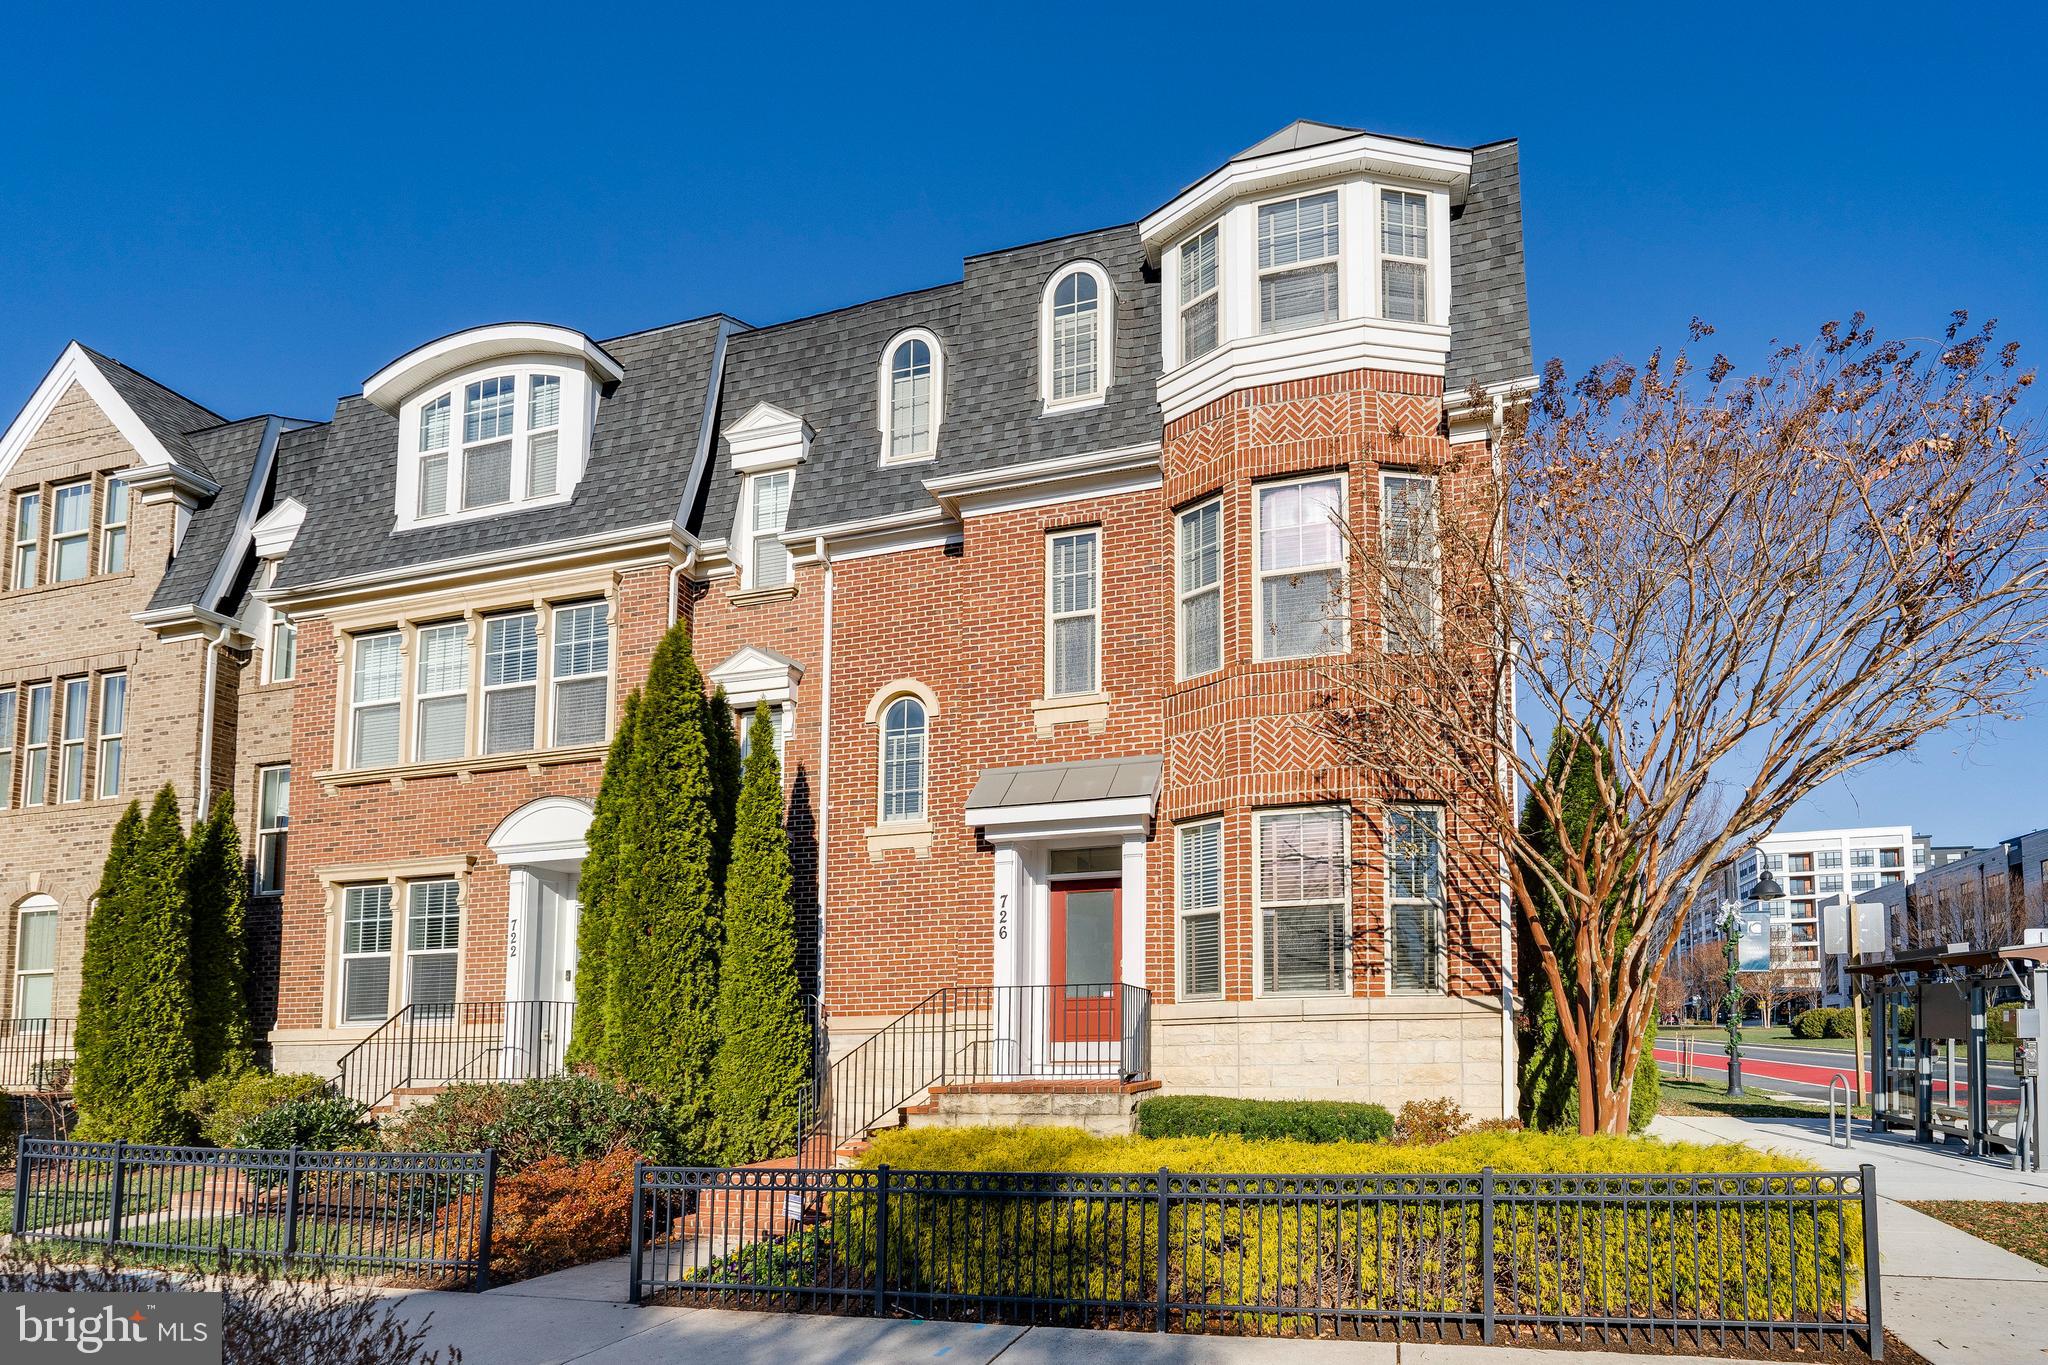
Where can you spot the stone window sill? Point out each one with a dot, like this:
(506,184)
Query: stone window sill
(1091,710)
(914,836)
(755,596)
(402,773)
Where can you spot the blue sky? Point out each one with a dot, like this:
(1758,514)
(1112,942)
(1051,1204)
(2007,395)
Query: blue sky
(263,205)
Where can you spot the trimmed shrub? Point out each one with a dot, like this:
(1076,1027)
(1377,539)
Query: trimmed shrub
(1300,1120)
(573,1118)
(216,890)
(1334,1254)
(1825,1021)
(319,1123)
(1642,1094)
(220,1106)
(1425,1123)
(589,1043)
(558,1213)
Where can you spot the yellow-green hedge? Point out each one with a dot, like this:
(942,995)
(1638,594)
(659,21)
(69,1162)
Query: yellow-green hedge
(1351,1252)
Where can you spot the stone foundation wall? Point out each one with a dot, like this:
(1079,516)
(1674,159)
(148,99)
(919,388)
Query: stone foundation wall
(1106,1109)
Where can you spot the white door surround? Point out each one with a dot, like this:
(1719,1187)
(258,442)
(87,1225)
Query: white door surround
(542,844)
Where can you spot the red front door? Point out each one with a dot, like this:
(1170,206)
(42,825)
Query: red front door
(1087,945)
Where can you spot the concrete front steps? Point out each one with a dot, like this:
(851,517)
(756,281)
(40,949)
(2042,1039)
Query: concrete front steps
(1105,1107)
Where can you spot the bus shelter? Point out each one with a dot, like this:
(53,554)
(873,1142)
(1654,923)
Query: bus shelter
(1931,1066)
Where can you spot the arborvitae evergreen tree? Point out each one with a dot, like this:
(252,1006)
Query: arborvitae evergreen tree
(764,1051)
(98,1076)
(722,743)
(216,888)
(661,1002)
(1549,1081)
(597,891)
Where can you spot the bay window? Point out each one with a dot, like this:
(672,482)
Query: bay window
(511,681)
(1201,301)
(1201,910)
(1300,568)
(433,463)
(1404,255)
(583,660)
(1303,893)
(544,437)
(1200,588)
(1073,612)
(1298,247)
(373,719)
(487,424)
(1415,898)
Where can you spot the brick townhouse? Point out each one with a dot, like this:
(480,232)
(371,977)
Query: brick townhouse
(1035,571)
(131,654)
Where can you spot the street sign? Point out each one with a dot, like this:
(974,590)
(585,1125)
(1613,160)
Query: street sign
(1755,952)
(1834,927)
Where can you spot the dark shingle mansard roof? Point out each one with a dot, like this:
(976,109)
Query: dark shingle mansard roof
(640,456)
(1489,290)
(229,453)
(826,370)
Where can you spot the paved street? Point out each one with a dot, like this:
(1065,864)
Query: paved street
(1805,1072)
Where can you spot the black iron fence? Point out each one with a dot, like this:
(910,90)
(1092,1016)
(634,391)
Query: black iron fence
(419,1216)
(1776,1260)
(424,1046)
(36,1054)
(961,1035)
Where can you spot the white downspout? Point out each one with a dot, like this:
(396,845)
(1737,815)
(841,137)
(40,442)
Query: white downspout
(824,768)
(202,801)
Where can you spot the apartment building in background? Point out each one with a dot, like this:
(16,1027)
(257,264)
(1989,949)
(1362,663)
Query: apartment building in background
(1984,898)
(1034,572)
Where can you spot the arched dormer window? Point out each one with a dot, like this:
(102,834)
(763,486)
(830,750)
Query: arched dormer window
(1075,352)
(912,396)
(491,420)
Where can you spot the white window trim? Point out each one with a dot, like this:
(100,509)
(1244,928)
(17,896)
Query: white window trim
(746,535)
(107,523)
(1443,839)
(1176,306)
(39,794)
(1259,990)
(1181,912)
(1433,564)
(82,535)
(33,905)
(1341,260)
(1341,564)
(1183,596)
(924,789)
(884,395)
(268,832)
(30,548)
(1105,339)
(117,738)
(574,418)
(1382,257)
(67,745)
(1093,611)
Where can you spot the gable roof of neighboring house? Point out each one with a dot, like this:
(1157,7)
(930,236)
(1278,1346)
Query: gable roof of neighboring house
(642,450)
(169,415)
(827,370)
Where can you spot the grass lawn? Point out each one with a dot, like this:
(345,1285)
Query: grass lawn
(1712,1097)
(1780,1036)
(88,1200)
(2020,1228)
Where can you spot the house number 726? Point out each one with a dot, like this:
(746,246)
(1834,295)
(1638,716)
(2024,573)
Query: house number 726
(1003,915)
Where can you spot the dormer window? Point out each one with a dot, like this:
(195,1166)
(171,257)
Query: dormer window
(913,376)
(492,420)
(1200,301)
(1076,352)
(1298,245)
(1404,255)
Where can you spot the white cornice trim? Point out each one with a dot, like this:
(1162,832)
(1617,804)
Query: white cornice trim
(75,366)
(919,528)
(754,675)
(170,482)
(768,438)
(1060,479)
(1353,344)
(1366,154)
(421,366)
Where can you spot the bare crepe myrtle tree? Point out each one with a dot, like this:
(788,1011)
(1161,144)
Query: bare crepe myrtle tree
(1742,586)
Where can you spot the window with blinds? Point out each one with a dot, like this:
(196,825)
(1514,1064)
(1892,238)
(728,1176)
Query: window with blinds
(1298,246)
(373,697)
(365,954)
(583,660)
(433,471)
(1075,336)
(1201,910)
(903,761)
(1415,897)
(441,692)
(1408,541)
(768,511)
(1304,901)
(544,439)
(1301,568)
(35,964)
(432,936)
(1200,534)
(511,681)
(113,733)
(1073,612)
(1200,300)
(8,709)
(1404,255)
(910,412)
(273,826)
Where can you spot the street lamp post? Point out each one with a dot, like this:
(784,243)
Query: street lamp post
(1766,889)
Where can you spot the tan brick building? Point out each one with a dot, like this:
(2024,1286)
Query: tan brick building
(1036,572)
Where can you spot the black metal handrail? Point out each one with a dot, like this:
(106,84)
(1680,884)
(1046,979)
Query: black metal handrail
(470,1040)
(966,1035)
(36,1053)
